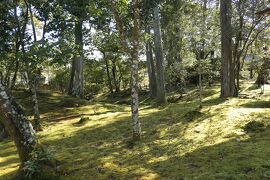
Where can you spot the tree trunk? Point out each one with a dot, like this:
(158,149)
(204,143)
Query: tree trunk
(34,79)
(135,75)
(133,52)
(116,84)
(17,48)
(161,94)
(3,132)
(23,134)
(77,89)
(34,84)
(151,67)
(227,68)
(72,72)
(200,78)
(13,81)
(108,72)
(17,125)
(251,73)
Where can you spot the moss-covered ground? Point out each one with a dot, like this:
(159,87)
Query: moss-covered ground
(179,141)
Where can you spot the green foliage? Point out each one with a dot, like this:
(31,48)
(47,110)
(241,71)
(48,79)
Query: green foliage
(39,156)
(60,81)
(94,76)
(176,77)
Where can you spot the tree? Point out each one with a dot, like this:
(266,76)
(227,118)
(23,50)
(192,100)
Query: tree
(21,131)
(133,52)
(227,66)
(151,68)
(161,92)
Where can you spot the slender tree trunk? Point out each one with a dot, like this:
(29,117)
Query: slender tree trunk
(134,55)
(237,52)
(77,89)
(200,78)
(227,68)
(251,74)
(32,23)
(161,93)
(17,48)
(34,81)
(151,67)
(14,78)
(116,84)
(135,74)
(34,84)
(72,72)
(3,132)
(108,72)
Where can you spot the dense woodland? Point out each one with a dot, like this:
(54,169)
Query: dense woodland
(142,89)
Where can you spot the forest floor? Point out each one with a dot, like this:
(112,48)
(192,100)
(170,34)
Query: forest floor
(220,141)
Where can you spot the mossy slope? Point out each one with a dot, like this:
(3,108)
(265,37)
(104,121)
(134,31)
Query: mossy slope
(212,144)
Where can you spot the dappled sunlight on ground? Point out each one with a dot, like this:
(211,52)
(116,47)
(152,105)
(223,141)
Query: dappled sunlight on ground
(178,141)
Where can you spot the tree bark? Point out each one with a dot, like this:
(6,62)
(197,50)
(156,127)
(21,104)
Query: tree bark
(3,132)
(133,52)
(17,48)
(114,72)
(151,67)
(34,80)
(161,93)
(72,72)
(77,88)
(135,74)
(108,72)
(34,84)
(17,125)
(227,67)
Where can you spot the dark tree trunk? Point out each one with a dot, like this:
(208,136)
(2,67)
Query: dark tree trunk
(77,81)
(3,132)
(251,74)
(227,67)
(114,72)
(13,81)
(72,72)
(17,48)
(161,93)
(151,67)
(108,72)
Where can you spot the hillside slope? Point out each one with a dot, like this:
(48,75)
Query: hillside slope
(221,141)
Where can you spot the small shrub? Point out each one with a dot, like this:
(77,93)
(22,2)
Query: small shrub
(33,167)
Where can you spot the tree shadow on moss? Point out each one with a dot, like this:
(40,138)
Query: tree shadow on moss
(214,101)
(93,148)
(102,152)
(228,160)
(89,148)
(257,104)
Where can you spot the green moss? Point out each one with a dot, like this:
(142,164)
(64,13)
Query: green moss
(254,126)
(178,142)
